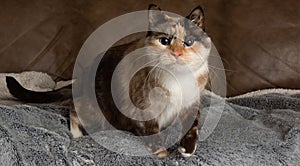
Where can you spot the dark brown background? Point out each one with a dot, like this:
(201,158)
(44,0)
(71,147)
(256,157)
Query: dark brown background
(258,40)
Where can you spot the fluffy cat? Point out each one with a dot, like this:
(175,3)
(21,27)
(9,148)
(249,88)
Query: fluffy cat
(176,48)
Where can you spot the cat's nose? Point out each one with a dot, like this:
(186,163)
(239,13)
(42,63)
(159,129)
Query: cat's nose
(176,53)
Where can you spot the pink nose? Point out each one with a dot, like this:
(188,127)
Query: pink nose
(177,53)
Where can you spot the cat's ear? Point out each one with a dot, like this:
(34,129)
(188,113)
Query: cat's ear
(154,14)
(153,7)
(197,16)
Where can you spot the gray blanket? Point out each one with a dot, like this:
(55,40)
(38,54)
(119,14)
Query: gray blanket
(254,129)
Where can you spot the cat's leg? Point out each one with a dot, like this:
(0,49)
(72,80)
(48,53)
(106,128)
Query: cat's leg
(154,143)
(188,143)
(75,126)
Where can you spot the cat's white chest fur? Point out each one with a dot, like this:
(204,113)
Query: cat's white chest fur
(181,86)
(183,92)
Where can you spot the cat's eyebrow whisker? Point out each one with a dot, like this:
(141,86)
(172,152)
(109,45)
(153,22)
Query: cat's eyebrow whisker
(214,72)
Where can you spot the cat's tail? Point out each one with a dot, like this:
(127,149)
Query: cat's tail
(18,91)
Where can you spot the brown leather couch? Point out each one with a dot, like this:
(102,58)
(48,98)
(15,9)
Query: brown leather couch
(258,40)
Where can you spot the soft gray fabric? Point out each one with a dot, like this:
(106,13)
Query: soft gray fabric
(258,130)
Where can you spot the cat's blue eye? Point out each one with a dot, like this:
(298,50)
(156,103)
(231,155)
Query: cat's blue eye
(188,43)
(165,41)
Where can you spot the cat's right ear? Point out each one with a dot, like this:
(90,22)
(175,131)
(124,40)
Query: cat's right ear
(154,14)
(197,16)
(153,7)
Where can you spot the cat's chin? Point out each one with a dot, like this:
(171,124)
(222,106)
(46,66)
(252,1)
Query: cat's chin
(177,66)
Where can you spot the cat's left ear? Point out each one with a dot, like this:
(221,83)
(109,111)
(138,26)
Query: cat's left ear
(154,14)
(197,16)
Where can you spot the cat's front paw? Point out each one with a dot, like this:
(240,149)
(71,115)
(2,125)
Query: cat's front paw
(161,152)
(185,152)
(158,151)
(188,144)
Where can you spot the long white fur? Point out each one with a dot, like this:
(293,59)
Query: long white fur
(168,108)
(180,79)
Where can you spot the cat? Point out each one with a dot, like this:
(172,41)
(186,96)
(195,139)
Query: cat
(176,46)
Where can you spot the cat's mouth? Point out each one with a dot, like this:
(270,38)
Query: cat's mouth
(176,65)
(177,61)
(180,62)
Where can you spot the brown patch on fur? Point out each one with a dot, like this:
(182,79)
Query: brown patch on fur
(202,79)
(140,86)
(145,128)
(189,141)
(138,89)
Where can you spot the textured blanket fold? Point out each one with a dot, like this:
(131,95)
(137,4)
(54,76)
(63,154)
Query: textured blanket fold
(261,128)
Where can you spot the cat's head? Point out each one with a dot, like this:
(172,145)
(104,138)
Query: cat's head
(178,40)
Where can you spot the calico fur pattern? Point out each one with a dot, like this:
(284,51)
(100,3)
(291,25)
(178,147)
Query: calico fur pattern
(174,45)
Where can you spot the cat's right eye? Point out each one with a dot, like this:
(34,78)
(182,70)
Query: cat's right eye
(165,41)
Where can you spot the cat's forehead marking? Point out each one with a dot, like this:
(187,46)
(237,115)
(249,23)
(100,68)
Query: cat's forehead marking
(175,27)
(180,28)
(179,31)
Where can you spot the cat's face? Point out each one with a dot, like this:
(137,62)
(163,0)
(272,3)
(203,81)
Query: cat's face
(178,41)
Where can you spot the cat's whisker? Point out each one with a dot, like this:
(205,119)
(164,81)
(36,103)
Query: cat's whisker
(217,68)
(147,78)
(149,61)
(157,76)
(212,74)
(221,69)
(155,67)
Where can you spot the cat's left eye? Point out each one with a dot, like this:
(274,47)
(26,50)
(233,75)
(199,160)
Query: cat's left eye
(165,41)
(189,43)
